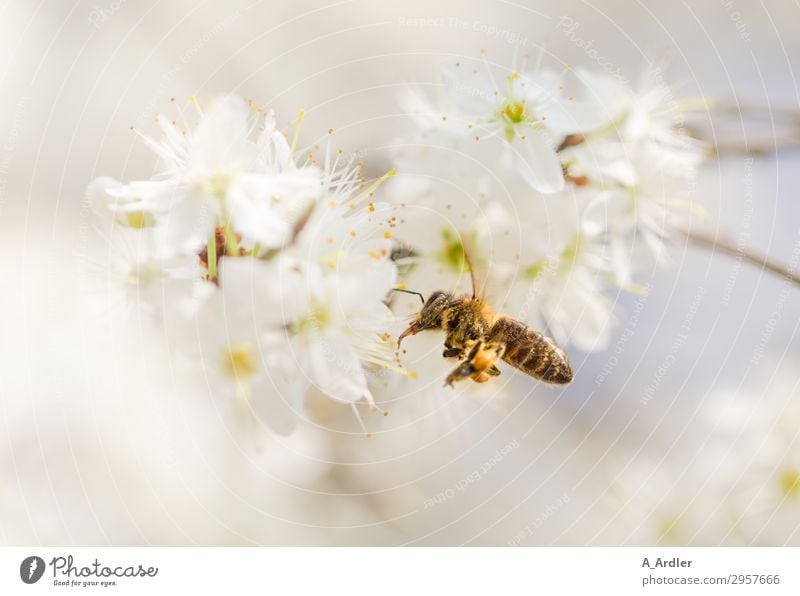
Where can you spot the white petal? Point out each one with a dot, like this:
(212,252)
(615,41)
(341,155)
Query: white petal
(526,89)
(572,116)
(99,197)
(275,150)
(256,221)
(474,92)
(174,138)
(336,369)
(220,142)
(537,161)
(281,283)
(598,212)
(186,227)
(145,195)
(264,208)
(278,402)
(610,94)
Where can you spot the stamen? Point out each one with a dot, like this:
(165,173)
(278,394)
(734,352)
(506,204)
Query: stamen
(389,366)
(391,173)
(300,117)
(360,420)
(196,104)
(375,408)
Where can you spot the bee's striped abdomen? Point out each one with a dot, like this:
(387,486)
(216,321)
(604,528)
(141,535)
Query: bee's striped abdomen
(531,352)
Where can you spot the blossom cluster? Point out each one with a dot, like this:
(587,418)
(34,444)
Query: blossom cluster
(269,266)
(562,186)
(272,267)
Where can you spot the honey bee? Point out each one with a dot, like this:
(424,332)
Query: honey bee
(479,338)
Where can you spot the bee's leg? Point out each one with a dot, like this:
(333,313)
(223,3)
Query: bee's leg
(478,364)
(466,368)
(493,371)
(451,352)
(462,371)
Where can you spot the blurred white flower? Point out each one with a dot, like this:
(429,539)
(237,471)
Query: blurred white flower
(615,183)
(553,270)
(218,176)
(237,347)
(532,113)
(289,291)
(650,113)
(756,447)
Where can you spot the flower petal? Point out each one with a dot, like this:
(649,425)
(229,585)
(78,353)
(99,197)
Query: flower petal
(220,142)
(568,117)
(537,161)
(277,398)
(470,90)
(336,369)
(265,208)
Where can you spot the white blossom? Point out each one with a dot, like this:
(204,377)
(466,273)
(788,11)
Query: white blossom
(532,113)
(219,175)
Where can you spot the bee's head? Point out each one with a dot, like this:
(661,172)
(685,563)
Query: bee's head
(430,317)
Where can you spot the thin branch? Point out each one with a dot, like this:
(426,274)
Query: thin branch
(783,133)
(768,112)
(763,262)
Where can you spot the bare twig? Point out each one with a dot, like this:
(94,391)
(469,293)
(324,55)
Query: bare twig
(780,126)
(723,245)
(771,113)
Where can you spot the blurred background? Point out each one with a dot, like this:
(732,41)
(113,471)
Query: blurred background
(685,431)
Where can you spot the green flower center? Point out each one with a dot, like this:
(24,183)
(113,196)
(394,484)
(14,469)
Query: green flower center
(318,317)
(238,362)
(573,251)
(452,253)
(533,271)
(514,112)
(138,220)
(789,480)
(217,184)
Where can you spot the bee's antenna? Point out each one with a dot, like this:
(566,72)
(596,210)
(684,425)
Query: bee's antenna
(421,297)
(472,273)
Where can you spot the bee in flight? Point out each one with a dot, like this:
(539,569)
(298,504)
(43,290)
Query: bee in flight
(479,338)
